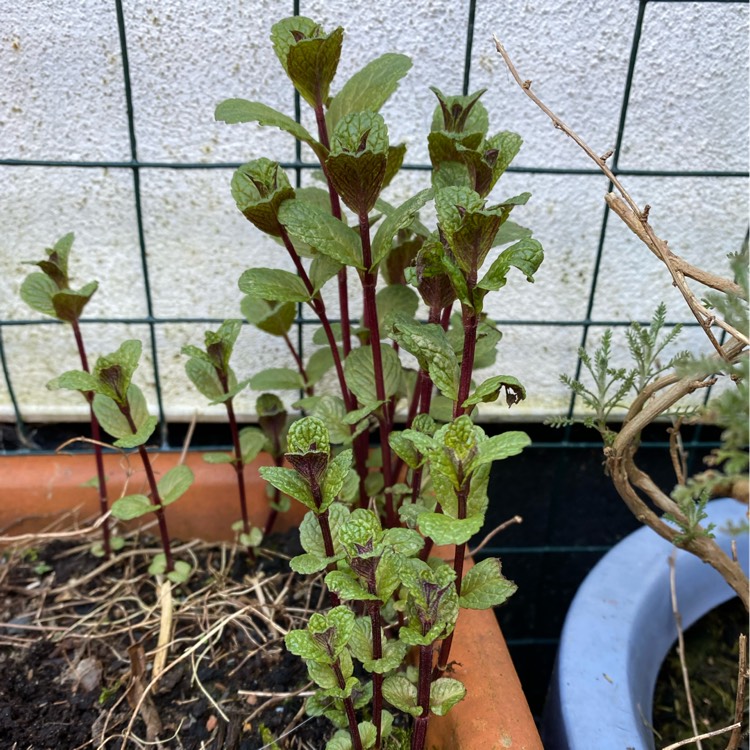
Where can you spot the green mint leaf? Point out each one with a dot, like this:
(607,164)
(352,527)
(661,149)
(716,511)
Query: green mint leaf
(234,388)
(445,530)
(323,268)
(113,420)
(405,450)
(181,572)
(369,88)
(322,232)
(311,537)
(360,373)
(75,380)
(69,303)
(308,434)
(158,565)
(308,564)
(309,56)
(331,411)
(507,144)
(358,160)
(445,692)
(510,232)
(347,587)
(203,376)
(290,483)
(401,694)
(234,111)
(393,300)
(321,339)
(132,506)
(490,389)
(484,586)
(175,483)
(277,379)
(460,114)
(218,458)
(253,539)
(37,291)
(356,415)
(399,218)
(252,442)
(115,371)
(429,344)
(334,478)
(273,284)
(396,155)
(501,446)
(526,255)
(271,317)
(259,188)
(318,365)
(145,430)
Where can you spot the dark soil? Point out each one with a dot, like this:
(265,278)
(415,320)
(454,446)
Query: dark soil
(711,647)
(76,652)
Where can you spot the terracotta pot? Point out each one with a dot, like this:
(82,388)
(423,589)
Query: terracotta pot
(38,490)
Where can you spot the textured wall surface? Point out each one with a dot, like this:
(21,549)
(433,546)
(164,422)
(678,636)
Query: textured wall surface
(62,98)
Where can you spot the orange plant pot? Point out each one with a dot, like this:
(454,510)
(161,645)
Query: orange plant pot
(36,491)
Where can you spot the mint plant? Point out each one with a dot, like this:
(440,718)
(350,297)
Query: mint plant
(121,409)
(49,292)
(372,520)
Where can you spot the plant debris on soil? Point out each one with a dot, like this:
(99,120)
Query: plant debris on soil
(78,645)
(711,657)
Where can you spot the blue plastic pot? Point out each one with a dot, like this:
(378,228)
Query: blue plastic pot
(620,628)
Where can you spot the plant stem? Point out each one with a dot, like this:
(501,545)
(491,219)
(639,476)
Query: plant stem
(369,280)
(470,321)
(348,707)
(423,697)
(458,566)
(272,512)
(377,677)
(318,306)
(97,438)
(320,119)
(154,496)
(300,365)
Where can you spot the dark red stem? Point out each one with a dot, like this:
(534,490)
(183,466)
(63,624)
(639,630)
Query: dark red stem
(97,438)
(300,365)
(320,119)
(470,321)
(377,677)
(423,697)
(154,496)
(349,708)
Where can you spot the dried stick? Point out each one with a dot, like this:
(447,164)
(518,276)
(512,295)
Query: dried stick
(637,220)
(705,736)
(739,704)
(681,649)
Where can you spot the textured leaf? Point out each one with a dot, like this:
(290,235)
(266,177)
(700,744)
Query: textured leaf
(132,506)
(430,345)
(273,284)
(322,232)
(347,587)
(69,303)
(322,269)
(360,373)
(37,291)
(335,476)
(113,420)
(145,430)
(444,530)
(318,365)
(289,482)
(272,317)
(175,483)
(526,255)
(75,380)
(445,692)
(490,389)
(501,446)
(259,188)
(395,299)
(311,537)
(510,232)
(401,694)
(308,564)
(358,160)
(233,111)
(484,586)
(400,218)
(369,88)
(308,434)
(277,379)
(252,442)
(203,376)
(116,370)
(253,539)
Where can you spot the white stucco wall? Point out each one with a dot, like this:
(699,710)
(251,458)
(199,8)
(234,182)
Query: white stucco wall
(62,98)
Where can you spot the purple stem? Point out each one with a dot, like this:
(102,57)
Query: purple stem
(96,437)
